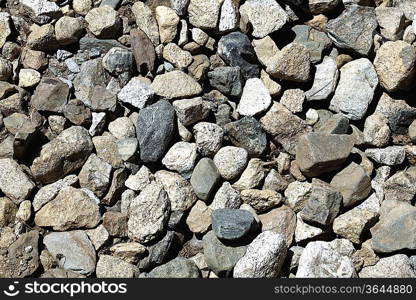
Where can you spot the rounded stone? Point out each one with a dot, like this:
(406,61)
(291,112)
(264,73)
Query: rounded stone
(231,224)
(231,161)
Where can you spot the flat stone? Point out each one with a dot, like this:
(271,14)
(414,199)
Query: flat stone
(265,16)
(362,23)
(149,213)
(261,200)
(73,250)
(113,267)
(137,93)
(247,133)
(391,156)
(204,178)
(199,218)
(175,84)
(71,209)
(264,257)
(325,82)
(231,224)
(317,153)
(143,51)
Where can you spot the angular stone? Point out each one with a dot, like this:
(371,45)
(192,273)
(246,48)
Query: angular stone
(255,98)
(95,175)
(68,30)
(314,40)
(229,16)
(362,23)
(51,95)
(179,267)
(392,22)
(227,80)
(261,200)
(231,224)
(204,178)
(113,267)
(137,93)
(226,197)
(146,21)
(322,6)
(326,78)
(149,213)
(175,55)
(281,220)
(252,175)
(395,266)
(143,51)
(118,60)
(318,153)
(208,138)
(199,218)
(204,14)
(41,11)
(175,84)
(8,211)
(71,209)
(190,111)
(293,100)
(265,16)
(401,186)
(181,158)
(73,250)
(391,156)
(103,21)
(108,150)
(167,20)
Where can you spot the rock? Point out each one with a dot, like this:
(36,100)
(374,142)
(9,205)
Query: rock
(305,232)
(204,14)
(326,78)
(157,253)
(143,51)
(167,20)
(121,128)
(155,127)
(337,124)
(352,224)
(8,211)
(77,113)
(130,252)
(280,220)
(236,50)
(180,6)
(103,21)
(247,133)
(175,84)
(252,175)
(149,213)
(323,204)
(15,183)
(226,197)
(231,161)
(181,158)
(118,60)
(51,95)
(284,127)
(401,186)
(98,236)
(190,111)
(179,267)
(412,131)
(266,50)
(376,130)
(175,55)
(255,98)
(395,266)
(231,224)
(221,258)
(71,209)
(292,63)
(229,16)
(95,175)
(208,138)
(113,267)
(265,16)
(41,11)
(391,233)
(115,223)
(322,6)
(261,200)
(391,20)
(199,67)
(297,193)
(146,21)
(317,153)
(73,251)
(137,93)
(363,23)
(204,178)
(139,180)
(320,260)
(228,80)
(394,64)
(108,150)
(293,100)
(68,30)
(391,156)
(54,163)
(180,192)
(49,192)
(82,7)
(199,218)
(28,78)
(361,74)
(314,40)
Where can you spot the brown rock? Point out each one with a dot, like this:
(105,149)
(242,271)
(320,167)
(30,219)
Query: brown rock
(143,51)
(280,220)
(115,223)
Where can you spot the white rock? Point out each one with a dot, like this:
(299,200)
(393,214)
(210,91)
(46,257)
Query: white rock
(326,79)
(231,161)
(297,193)
(255,98)
(208,137)
(229,16)
(181,158)
(305,231)
(391,156)
(140,180)
(167,20)
(28,78)
(226,197)
(204,13)
(136,93)
(396,266)
(121,128)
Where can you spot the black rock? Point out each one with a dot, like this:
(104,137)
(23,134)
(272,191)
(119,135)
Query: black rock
(227,80)
(247,133)
(400,121)
(231,224)
(236,50)
(158,252)
(155,129)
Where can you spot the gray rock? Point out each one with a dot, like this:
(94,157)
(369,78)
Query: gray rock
(326,78)
(118,60)
(137,93)
(143,51)
(337,124)
(322,6)
(228,80)
(318,153)
(155,129)
(204,14)
(63,155)
(390,156)
(231,224)
(179,267)
(226,197)
(264,257)
(146,21)
(323,204)
(204,178)
(297,194)
(113,267)
(149,213)
(190,111)
(220,257)
(236,50)
(392,22)
(231,161)
(180,6)
(401,186)
(103,21)
(41,11)
(247,133)
(95,175)
(103,99)
(320,260)
(315,41)
(362,23)
(51,95)
(73,250)
(157,253)
(395,266)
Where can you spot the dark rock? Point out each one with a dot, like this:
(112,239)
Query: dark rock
(227,80)
(155,129)
(204,178)
(143,51)
(179,267)
(231,224)
(337,124)
(158,252)
(51,95)
(77,113)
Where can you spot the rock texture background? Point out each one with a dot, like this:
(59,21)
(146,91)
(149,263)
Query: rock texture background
(207,138)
